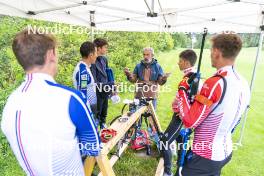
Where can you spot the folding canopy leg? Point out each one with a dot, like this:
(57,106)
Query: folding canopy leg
(253,77)
(251,87)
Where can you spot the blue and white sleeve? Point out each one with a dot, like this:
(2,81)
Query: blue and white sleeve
(86,131)
(83,79)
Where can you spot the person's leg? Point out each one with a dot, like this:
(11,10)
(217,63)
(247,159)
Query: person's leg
(99,108)
(167,156)
(94,111)
(173,130)
(104,112)
(199,166)
(223,163)
(154,102)
(170,135)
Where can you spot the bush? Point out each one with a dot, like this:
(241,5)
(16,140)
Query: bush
(125,50)
(181,40)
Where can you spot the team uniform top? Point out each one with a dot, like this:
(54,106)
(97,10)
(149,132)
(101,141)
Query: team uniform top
(83,80)
(45,124)
(186,73)
(212,131)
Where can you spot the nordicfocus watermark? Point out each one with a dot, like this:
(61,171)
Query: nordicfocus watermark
(62,29)
(83,146)
(131,88)
(202,146)
(89,147)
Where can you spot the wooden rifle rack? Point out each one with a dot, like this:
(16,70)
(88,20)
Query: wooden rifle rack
(105,164)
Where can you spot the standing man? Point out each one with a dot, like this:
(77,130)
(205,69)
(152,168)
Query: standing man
(83,79)
(215,111)
(147,75)
(47,124)
(104,84)
(187,60)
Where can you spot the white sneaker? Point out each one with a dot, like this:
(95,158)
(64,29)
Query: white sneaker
(165,174)
(103,126)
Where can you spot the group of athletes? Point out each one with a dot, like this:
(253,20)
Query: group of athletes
(51,127)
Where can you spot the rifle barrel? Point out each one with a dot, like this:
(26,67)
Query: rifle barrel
(201,51)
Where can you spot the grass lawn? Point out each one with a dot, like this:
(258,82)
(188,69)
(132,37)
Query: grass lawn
(247,160)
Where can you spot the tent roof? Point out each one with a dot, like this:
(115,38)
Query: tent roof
(131,15)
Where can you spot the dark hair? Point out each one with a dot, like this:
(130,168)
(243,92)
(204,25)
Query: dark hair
(99,42)
(87,48)
(229,44)
(189,55)
(30,48)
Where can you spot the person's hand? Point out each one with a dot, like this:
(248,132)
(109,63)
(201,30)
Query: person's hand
(184,84)
(127,72)
(115,99)
(117,84)
(165,76)
(174,106)
(192,78)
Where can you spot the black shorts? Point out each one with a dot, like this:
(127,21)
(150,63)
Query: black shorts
(200,166)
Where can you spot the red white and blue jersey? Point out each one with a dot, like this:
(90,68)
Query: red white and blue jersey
(83,80)
(186,73)
(212,132)
(49,127)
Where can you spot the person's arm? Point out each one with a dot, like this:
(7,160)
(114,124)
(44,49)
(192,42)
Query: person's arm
(83,79)
(162,78)
(193,115)
(132,77)
(174,105)
(86,131)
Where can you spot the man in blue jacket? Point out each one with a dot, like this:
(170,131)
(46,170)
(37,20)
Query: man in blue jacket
(147,75)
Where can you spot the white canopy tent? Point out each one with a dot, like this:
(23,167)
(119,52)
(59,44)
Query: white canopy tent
(241,16)
(144,15)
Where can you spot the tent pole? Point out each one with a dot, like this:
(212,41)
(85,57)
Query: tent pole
(252,79)
(152,6)
(92,24)
(92,34)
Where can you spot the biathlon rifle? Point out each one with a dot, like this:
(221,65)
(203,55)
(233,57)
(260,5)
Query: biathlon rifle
(195,78)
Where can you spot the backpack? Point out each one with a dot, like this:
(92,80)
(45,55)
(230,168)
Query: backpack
(141,140)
